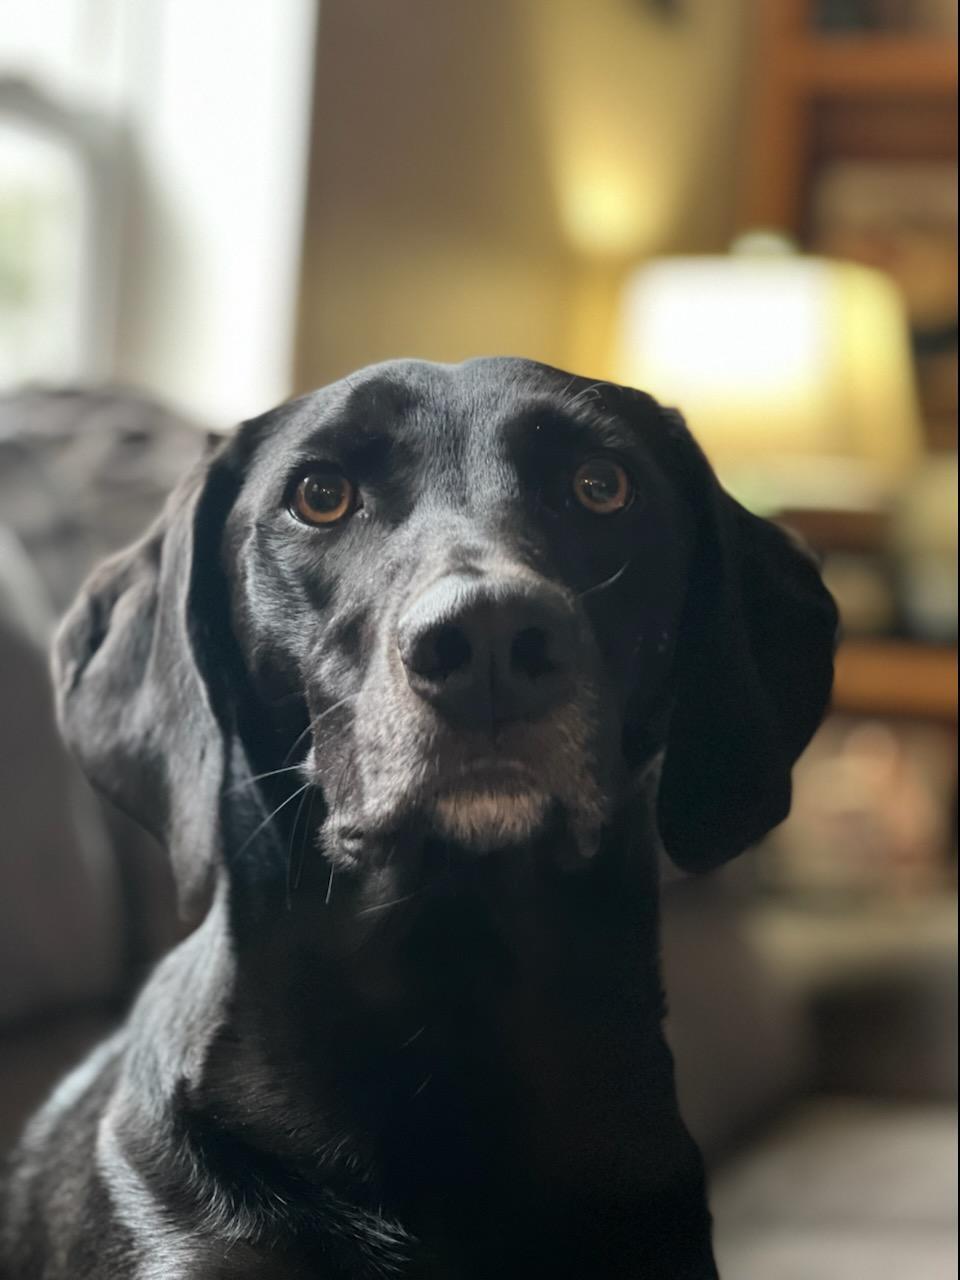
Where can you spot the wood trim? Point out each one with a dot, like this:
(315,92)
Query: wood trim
(873,64)
(796,72)
(776,124)
(897,678)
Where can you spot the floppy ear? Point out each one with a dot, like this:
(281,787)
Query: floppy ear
(754,671)
(138,668)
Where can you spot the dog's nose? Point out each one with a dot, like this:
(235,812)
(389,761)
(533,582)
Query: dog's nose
(485,651)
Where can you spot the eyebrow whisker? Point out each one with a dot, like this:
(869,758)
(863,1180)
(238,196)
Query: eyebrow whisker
(592,390)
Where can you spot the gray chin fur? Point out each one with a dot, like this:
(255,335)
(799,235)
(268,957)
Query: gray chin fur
(477,822)
(482,820)
(412,778)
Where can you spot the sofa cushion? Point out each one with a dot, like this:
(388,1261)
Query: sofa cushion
(60,914)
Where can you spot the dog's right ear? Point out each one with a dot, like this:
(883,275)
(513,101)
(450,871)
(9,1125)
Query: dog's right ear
(139,666)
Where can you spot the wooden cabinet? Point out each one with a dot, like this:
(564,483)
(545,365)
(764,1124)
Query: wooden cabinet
(813,96)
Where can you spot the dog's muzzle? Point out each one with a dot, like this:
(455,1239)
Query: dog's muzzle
(486,651)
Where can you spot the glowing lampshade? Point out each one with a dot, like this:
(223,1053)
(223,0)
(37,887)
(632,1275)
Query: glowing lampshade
(794,373)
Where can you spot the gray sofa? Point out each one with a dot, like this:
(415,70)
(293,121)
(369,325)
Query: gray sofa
(86,902)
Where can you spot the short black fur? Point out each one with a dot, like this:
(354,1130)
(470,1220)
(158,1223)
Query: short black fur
(418,1030)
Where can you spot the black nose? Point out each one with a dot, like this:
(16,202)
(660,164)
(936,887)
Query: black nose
(484,651)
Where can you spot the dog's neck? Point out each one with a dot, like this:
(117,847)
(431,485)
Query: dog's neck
(434,932)
(492,1036)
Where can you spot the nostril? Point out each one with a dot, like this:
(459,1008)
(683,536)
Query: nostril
(530,653)
(484,654)
(441,652)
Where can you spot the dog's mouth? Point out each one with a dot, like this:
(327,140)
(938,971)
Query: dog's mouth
(480,806)
(405,780)
(489,804)
(485,807)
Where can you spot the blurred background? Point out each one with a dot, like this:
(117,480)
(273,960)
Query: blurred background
(749,208)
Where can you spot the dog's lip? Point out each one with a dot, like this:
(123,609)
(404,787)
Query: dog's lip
(489,775)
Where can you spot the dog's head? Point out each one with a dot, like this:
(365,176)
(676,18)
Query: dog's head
(465,605)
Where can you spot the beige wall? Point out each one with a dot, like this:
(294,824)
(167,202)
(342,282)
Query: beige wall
(483,173)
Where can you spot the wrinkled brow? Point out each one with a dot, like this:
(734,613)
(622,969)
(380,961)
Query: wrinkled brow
(549,427)
(362,422)
(344,439)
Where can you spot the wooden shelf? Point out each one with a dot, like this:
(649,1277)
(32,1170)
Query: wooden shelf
(876,65)
(818,96)
(897,678)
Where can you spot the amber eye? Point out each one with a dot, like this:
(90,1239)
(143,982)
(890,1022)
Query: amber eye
(323,497)
(602,486)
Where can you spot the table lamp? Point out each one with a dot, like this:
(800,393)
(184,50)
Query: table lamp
(794,373)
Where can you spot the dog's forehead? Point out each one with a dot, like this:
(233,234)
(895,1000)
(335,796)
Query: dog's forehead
(439,404)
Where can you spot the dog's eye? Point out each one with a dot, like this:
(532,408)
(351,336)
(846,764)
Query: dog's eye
(602,486)
(323,496)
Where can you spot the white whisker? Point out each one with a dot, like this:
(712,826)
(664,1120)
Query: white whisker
(271,773)
(607,582)
(270,816)
(422,1086)
(383,906)
(315,721)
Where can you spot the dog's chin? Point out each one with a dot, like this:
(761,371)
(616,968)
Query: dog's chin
(482,819)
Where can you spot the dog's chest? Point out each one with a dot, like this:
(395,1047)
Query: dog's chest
(534,1067)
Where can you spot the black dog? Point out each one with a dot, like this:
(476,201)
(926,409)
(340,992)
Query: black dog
(412,678)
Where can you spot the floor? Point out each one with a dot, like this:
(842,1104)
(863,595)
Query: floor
(844,1190)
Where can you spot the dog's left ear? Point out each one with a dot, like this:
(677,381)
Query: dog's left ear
(140,665)
(753,674)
